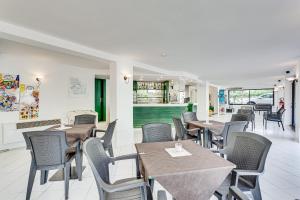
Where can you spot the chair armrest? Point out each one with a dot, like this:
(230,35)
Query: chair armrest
(236,173)
(125,186)
(242,172)
(125,157)
(237,193)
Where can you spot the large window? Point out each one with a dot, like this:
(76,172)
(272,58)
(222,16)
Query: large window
(251,96)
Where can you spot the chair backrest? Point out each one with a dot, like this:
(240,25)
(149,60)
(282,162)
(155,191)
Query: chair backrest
(245,111)
(280,112)
(179,128)
(264,107)
(240,117)
(247,150)
(230,127)
(48,148)
(189,116)
(157,132)
(246,107)
(109,132)
(98,160)
(85,119)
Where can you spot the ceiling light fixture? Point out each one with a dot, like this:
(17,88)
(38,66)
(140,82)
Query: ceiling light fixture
(163,54)
(289,76)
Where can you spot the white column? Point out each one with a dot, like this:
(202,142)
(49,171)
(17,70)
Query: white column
(121,102)
(203,100)
(297,104)
(287,103)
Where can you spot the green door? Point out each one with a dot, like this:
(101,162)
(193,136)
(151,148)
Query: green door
(100,99)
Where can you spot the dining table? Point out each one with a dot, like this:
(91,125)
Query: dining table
(195,175)
(74,133)
(209,129)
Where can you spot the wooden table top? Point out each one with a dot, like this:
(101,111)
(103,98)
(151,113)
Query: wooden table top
(189,177)
(76,132)
(214,126)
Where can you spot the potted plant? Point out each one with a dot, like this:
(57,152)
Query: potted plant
(211,110)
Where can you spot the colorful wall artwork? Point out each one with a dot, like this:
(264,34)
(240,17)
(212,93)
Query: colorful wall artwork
(9,92)
(29,102)
(222,101)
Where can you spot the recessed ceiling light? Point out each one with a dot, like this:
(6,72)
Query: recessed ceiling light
(163,54)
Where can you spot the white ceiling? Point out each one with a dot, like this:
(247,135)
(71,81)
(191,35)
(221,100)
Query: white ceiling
(10,47)
(233,42)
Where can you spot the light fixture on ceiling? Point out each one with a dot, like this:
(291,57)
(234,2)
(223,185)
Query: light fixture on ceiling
(163,54)
(289,76)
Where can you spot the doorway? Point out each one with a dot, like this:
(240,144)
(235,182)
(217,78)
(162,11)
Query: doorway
(100,99)
(293,103)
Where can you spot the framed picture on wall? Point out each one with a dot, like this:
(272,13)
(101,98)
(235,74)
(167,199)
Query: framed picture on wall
(77,87)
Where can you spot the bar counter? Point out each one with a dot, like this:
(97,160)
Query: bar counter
(151,113)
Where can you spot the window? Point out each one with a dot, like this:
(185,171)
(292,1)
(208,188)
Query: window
(238,96)
(251,96)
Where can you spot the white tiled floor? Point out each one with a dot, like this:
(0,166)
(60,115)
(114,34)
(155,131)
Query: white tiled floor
(281,179)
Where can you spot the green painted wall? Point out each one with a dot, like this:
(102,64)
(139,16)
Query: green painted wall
(144,115)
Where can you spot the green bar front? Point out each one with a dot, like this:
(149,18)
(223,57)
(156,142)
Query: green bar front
(152,114)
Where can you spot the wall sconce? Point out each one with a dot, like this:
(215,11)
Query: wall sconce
(38,82)
(126,79)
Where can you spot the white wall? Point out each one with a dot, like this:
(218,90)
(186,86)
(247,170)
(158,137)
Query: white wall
(55,71)
(54,99)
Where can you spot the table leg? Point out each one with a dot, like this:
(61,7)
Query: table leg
(207,138)
(151,183)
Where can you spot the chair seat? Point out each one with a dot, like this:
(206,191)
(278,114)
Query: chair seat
(132,194)
(273,118)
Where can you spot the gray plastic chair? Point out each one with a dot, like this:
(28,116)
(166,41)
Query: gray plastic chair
(248,151)
(128,189)
(48,152)
(189,116)
(157,132)
(251,115)
(236,194)
(107,137)
(230,127)
(240,117)
(275,117)
(85,119)
(161,195)
(185,134)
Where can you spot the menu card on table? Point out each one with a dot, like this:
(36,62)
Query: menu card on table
(175,153)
